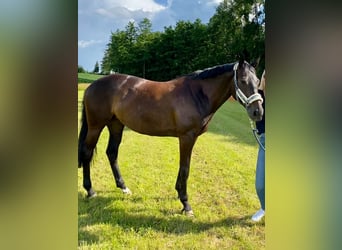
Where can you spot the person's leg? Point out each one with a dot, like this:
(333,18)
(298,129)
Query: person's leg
(260,180)
(260,173)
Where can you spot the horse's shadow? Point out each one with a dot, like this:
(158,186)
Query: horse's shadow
(173,223)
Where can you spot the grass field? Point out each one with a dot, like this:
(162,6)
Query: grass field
(220,187)
(87,77)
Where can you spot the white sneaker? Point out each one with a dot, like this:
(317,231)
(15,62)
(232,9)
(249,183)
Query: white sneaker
(258,215)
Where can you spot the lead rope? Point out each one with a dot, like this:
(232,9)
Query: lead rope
(255,133)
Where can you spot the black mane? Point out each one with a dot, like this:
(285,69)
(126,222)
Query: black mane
(211,72)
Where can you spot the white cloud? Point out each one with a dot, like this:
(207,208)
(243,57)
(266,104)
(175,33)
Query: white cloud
(214,2)
(85,44)
(117,13)
(110,8)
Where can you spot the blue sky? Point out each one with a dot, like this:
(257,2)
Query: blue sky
(98,18)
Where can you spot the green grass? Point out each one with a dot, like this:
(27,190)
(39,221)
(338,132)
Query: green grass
(220,187)
(88,77)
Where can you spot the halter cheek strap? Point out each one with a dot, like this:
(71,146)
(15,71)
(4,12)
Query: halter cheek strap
(239,94)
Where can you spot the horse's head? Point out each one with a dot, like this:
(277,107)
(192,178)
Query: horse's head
(246,87)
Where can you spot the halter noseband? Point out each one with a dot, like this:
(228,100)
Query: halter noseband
(239,94)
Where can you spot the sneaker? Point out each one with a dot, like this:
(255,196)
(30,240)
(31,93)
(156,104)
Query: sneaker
(258,215)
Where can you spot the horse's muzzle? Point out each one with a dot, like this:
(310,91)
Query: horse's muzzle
(255,111)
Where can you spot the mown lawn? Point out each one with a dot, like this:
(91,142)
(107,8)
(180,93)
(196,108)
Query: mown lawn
(87,77)
(220,187)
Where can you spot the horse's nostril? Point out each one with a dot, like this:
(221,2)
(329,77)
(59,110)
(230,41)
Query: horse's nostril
(256,112)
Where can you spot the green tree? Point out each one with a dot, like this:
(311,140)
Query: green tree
(178,50)
(189,39)
(80,69)
(96,68)
(142,47)
(116,53)
(237,26)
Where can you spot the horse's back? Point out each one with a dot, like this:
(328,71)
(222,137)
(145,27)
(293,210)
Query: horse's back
(147,107)
(107,83)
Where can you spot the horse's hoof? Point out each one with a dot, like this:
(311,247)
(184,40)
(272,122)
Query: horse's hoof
(91,194)
(126,191)
(189,213)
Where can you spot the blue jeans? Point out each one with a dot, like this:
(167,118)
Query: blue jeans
(260,173)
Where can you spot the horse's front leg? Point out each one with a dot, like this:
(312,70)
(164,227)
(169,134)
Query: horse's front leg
(186,144)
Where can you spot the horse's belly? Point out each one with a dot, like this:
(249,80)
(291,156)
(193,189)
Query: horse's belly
(157,118)
(150,123)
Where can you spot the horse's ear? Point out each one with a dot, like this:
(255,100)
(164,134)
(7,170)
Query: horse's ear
(255,62)
(244,55)
(241,61)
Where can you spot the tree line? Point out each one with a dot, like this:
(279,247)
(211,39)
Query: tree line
(238,26)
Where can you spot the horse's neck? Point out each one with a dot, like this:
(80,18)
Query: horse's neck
(219,90)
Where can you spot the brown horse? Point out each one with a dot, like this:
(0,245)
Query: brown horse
(181,107)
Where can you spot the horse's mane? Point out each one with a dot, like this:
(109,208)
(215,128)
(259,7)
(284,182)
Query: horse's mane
(211,72)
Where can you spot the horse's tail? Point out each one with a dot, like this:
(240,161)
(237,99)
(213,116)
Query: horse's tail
(82,136)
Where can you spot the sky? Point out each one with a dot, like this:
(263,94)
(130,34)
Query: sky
(98,18)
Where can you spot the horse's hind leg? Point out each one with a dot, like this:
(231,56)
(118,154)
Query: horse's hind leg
(87,154)
(115,130)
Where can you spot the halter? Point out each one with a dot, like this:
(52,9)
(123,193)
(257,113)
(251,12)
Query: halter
(246,102)
(239,94)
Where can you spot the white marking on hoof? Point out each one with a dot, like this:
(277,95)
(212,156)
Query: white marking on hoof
(189,213)
(126,191)
(91,195)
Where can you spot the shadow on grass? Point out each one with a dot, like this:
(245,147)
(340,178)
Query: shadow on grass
(102,210)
